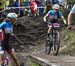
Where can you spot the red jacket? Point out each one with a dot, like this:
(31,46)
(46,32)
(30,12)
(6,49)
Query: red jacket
(33,7)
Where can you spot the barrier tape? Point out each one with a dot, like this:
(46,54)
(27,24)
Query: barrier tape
(8,8)
(24,7)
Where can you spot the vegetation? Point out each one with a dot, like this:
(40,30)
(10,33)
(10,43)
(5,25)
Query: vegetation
(30,63)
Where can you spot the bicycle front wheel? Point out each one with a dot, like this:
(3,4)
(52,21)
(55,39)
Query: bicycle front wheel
(56,43)
(48,45)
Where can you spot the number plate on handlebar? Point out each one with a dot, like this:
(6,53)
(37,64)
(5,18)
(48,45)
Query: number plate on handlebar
(56,25)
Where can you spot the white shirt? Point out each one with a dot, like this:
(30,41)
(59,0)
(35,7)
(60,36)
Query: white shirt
(73,10)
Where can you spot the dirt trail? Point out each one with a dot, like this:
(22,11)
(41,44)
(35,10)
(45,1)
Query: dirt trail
(30,31)
(31,35)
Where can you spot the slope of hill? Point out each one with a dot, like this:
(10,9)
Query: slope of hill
(32,31)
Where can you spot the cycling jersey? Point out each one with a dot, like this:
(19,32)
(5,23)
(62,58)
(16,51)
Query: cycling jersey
(73,10)
(7,26)
(52,14)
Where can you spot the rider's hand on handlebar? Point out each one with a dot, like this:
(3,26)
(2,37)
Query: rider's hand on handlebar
(69,27)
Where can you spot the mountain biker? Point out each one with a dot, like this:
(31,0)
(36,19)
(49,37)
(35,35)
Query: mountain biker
(7,26)
(53,16)
(70,17)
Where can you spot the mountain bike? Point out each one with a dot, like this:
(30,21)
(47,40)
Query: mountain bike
(53,44)
(4,60)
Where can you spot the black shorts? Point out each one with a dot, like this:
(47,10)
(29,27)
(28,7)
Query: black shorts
(5,44)
(49,22)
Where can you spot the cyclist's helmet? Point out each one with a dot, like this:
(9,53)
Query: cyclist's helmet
(12,15)
(55,6)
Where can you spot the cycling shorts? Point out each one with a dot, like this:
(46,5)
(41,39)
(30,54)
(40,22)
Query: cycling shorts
(49,22)
(5,44)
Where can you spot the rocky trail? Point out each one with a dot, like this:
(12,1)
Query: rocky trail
(31,36)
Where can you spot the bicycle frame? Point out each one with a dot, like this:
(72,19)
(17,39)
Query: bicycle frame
(53,43)
(55,33)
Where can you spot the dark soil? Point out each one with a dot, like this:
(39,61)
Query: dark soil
(30,31)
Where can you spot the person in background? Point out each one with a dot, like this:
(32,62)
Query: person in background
(33,7)
(21,10)
(2,4)
(54,2)
(48,6)
(61,3)
(2,7)
(16,4)
(43,3)
(7,3)
(38,2)
(27,4)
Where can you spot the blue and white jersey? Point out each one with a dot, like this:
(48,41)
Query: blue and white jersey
(7,26)
(73,10)
(52,14)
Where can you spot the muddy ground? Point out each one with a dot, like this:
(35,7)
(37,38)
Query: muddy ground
(30,31)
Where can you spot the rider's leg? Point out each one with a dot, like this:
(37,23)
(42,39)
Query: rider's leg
(1,58)
(49,30)
(7,47)
(14,57)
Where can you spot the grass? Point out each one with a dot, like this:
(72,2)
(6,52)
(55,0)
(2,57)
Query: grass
(69,44)
(31,63)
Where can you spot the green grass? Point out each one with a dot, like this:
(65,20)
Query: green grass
(31,63)
(69,43)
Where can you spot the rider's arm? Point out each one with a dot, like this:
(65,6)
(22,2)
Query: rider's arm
(70,16)
(2,25)
(44,18)
(62,17)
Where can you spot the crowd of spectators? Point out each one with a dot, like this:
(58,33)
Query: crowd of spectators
(32,7)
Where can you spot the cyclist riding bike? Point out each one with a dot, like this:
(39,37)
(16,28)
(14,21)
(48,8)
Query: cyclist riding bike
(70,17)
(7,26)
(53,16)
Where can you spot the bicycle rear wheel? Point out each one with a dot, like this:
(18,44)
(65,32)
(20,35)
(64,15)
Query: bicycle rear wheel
(48,44)
(56,43)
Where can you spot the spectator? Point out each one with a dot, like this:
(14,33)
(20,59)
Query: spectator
(61,3)
(27,4)
(7,3)
(38,2)
(54,1)
(16,4)
(43,3)
(48,6)
(21,10)
(2,4)
(33,7)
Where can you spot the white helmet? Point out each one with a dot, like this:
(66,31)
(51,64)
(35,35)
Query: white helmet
(56,6)
(12,15)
